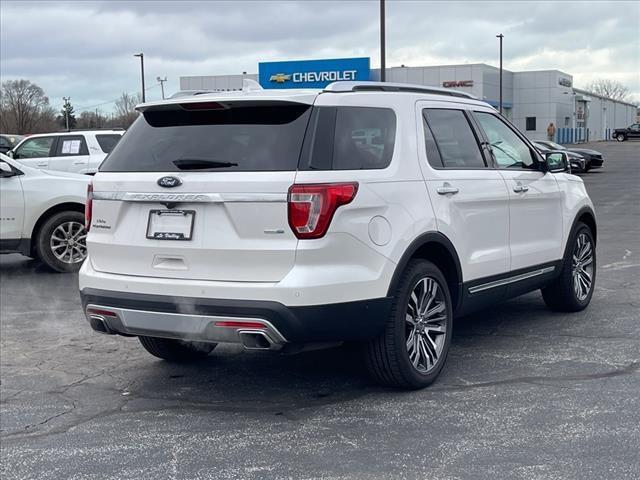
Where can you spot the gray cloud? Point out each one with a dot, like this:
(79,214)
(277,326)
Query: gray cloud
(84,49)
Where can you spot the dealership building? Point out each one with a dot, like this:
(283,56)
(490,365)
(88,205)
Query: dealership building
(531,99)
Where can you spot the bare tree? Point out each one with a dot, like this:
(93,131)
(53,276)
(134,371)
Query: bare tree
(125,109)
(609,88)
(22,104)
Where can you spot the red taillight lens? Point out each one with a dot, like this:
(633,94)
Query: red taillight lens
(311,206)
(88,206)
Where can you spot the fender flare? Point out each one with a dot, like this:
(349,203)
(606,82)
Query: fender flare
(414,246)
(574,227)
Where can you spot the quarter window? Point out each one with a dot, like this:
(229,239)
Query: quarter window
(35,148)
(349,138)
(509,150)
(449,133)
(107,142)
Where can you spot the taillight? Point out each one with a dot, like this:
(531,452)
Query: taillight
(311,206)
(88,206)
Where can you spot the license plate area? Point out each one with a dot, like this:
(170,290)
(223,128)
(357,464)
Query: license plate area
(170,224)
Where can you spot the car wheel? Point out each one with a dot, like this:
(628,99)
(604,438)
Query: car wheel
(176,350)
(573,289)
(413,347)
(620,137)
(61,242)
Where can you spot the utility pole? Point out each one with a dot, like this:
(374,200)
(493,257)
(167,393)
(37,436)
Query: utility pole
(66,111)
(500,36)
(141,55)
(382,43)
(162,80)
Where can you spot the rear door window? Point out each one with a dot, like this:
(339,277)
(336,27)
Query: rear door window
(107,142)
(349,138)
(265,136)
(71,145)
(450,141)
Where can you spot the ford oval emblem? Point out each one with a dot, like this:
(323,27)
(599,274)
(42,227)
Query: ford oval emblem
(169,182)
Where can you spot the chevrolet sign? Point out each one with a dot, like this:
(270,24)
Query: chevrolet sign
(312,73)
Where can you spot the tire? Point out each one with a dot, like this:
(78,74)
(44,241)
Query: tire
(63,232)
(620,137)
(568,292)
(389,359)
(176,350)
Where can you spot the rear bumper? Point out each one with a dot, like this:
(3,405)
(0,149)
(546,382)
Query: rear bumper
(217,320)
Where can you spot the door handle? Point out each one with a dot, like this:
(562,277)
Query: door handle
(42,164)
(446,188)
(520,188)
(80,162)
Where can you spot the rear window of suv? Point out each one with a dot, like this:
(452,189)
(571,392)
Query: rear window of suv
(213,137)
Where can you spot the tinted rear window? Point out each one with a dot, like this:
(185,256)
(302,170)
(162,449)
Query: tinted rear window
(107,142)
(349,138)
(265,137)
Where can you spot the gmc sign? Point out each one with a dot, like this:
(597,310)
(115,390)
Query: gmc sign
(457,83)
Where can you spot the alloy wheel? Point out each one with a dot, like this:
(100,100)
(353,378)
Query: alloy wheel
(582,267)
(68,242)
(426,324)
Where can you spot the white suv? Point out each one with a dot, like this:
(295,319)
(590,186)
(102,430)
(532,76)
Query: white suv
(368,212)
(42,214)
(77,151)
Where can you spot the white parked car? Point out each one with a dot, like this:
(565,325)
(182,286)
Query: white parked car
(42,214)
(371,212)
(76,151)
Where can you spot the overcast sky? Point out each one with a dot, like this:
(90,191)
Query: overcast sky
(84,49)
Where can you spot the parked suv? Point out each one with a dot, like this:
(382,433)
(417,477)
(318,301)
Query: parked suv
(622,134)
(41,214)
(367,212)
(76,151)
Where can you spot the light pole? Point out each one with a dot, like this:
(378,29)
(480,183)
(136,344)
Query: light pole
(141,55)
(162,80)
(382,42)
(66,111)
(500,36)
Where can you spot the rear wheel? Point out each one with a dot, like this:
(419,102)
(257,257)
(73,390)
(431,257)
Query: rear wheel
(61,242)
(620,137)
(176,350)
(573,289)
(412,350)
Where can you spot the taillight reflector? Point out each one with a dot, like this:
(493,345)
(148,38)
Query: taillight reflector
(104,313)
(88,206)
(231,324)
(311,206)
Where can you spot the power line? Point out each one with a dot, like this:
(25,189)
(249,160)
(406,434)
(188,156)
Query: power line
(91,107)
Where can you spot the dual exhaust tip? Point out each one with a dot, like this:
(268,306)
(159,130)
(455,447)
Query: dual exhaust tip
(252,335)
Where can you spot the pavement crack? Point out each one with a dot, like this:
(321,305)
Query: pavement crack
(537,380)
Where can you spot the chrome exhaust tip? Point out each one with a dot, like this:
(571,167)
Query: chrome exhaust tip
(99,324)
(255,340)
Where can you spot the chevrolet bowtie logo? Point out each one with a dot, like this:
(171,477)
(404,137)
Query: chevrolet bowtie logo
(279,78)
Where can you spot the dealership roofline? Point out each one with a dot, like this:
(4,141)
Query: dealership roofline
(587,92)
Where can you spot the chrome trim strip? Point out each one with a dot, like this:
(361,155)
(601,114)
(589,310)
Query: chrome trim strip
(184,326)
(506,281)
(192,197)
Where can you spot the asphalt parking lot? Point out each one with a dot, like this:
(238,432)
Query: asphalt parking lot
(526,393)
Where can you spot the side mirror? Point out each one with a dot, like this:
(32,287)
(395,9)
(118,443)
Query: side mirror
(6,170)
(557,162)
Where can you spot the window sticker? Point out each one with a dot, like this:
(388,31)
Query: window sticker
(70,147)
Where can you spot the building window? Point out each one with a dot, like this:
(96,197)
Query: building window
(531,123)
(566,121)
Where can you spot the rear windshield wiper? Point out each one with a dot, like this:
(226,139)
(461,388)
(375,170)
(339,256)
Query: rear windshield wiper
(201,164)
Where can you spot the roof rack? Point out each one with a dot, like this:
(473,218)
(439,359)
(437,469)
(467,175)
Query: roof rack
(338,87)
(90,129)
